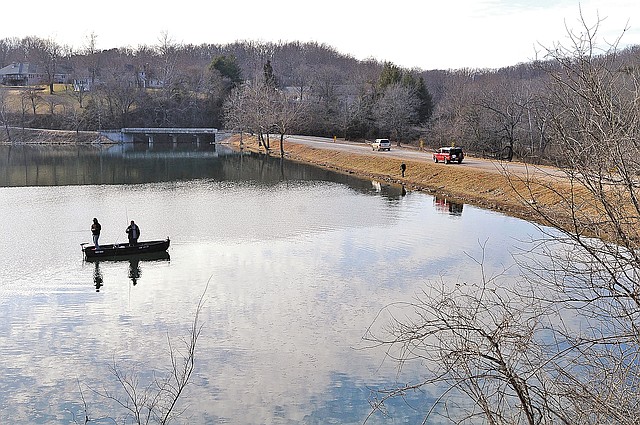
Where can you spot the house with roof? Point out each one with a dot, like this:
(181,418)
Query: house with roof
(140,79)
(19,74)
(25,74)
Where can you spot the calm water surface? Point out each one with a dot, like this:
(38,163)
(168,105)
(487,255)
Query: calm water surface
(298,261)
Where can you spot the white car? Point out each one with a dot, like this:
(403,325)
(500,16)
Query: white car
(381,145)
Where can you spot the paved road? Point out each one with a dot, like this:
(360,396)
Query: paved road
(414,154)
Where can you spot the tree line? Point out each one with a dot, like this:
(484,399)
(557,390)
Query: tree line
(308,88)
(342,96)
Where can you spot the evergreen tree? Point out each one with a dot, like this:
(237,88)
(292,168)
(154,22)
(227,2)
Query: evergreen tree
(425,107)
(269,77)
(391,74)
(228,67)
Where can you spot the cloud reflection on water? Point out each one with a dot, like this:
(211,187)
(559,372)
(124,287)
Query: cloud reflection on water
(298,271)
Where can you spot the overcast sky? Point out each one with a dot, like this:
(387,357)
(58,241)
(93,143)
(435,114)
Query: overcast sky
(444,34)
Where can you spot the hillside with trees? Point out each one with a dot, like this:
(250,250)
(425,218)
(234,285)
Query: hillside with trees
(302,88)
(179,85)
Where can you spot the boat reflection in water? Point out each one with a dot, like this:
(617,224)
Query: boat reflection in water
(447,206)
(134,272)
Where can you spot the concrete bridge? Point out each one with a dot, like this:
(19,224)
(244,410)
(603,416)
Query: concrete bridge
(126,135)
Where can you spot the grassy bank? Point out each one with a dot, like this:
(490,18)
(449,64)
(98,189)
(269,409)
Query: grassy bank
(516,194)
(47,137)
(513,194)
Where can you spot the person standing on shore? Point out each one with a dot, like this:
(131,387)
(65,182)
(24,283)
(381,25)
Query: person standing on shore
(95,232)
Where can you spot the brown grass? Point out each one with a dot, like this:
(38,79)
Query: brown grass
(512,194)
(525,196)
(62,95)
(49,137)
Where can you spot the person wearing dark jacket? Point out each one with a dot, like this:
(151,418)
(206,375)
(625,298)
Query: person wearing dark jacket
(95,232)
(133,231)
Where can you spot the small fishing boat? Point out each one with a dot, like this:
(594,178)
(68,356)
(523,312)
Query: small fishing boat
(124,250)
(132,258)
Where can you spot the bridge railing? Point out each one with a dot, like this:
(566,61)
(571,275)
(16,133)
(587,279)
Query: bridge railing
(125,135)
(165,130)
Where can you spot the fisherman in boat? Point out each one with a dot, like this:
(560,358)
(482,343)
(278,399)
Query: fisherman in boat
(133,231)
(95,232)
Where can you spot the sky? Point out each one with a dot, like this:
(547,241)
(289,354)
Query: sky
(426,34)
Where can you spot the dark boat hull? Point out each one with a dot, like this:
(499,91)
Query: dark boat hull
(124,250)
(150,256)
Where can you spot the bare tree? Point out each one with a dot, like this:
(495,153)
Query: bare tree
(596,124)
(563,345)
(53,102)
(287,113)
(155,402)
(92,56)
(168,52)
(50,56)
(250,108)
(479,340)
(455,120)
(507,105)
(32,96)
(4,118)
(596,127)
(234,108)
(86,68)
(119,91)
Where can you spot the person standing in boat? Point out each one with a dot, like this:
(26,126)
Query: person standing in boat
(133,231)
(95,232)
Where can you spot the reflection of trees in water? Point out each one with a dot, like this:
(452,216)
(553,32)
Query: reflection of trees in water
(85,164)
(139,163)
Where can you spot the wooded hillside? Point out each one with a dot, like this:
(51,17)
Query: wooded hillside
(246,85)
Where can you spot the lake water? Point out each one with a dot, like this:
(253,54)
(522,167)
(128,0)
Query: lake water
(296,261)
